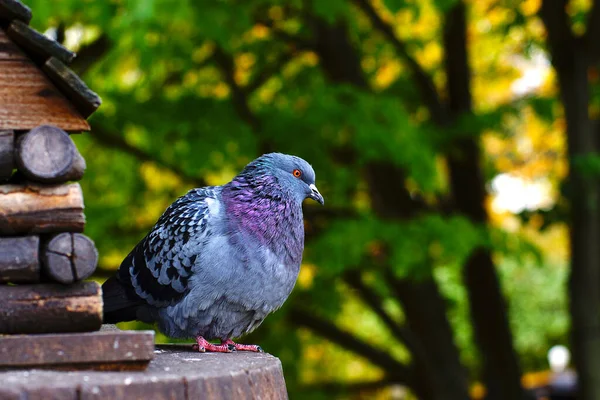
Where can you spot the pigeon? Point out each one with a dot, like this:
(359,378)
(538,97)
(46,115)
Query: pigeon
(220,258)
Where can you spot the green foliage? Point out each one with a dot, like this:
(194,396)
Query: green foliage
(414,246)
(395,5)
(544,107)
(588,164)
(330,10)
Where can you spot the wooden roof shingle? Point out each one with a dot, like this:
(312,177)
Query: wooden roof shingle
(36,86)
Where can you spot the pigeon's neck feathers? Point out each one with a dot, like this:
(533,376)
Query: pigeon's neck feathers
(262,208)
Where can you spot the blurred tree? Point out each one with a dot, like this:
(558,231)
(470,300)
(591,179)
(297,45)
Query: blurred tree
(385,100)
(575,58)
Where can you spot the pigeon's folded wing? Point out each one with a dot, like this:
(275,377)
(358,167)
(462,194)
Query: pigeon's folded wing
(160,266)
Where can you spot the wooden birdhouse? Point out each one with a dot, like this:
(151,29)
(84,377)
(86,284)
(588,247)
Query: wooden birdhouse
(44,255)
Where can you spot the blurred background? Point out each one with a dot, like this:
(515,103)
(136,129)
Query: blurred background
(454,142)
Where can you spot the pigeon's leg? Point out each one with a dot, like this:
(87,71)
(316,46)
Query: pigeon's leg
(242,347)
(202,345)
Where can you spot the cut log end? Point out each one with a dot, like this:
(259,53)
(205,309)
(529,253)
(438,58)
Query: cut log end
(47,154)
(69,257)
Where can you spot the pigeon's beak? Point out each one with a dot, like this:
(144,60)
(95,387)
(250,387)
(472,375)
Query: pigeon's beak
(315,195)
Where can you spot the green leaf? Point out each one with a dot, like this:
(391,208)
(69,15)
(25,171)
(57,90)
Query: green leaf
(394,5)
(330,10)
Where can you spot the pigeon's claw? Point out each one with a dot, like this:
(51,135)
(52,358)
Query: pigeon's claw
(243,347)
(199,349)
(202,345)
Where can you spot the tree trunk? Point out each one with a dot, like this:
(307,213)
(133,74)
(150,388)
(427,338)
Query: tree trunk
(584,282)
(501,372)
(447,378)
(425,311)
(438,367)
(570,58)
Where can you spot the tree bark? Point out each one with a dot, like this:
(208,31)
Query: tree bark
(50,308)
(501,371)
(571,57)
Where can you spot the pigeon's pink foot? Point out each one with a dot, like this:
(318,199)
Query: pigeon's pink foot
(202,345)
(242,347)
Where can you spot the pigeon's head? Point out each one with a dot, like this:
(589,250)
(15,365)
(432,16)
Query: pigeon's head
(291,172)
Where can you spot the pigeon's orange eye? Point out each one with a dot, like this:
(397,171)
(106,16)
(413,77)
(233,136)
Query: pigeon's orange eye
(297,173)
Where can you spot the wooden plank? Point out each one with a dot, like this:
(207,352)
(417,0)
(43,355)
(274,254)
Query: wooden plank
(32,208)
(19,259)
(27,96)
(7,148)
(14,9)
(54,391)
(37,45)
(43,308)
(84,99)
(69,257)
(176,372)
(92,350)
(47,154)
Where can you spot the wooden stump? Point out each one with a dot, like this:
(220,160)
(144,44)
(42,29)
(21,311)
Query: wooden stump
(19,260)
(32,208)
(176,372)
(47,154)
(69,257)
(114,350)
(50,308)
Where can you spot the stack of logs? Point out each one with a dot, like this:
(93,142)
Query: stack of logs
(50,317)
(43,254)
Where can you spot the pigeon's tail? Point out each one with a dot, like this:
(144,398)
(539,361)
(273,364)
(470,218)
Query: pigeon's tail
(120,303)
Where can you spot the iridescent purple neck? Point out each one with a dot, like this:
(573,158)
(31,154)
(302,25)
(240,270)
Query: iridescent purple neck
(261,209)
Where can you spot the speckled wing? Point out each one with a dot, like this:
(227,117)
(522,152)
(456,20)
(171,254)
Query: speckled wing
(160,266)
